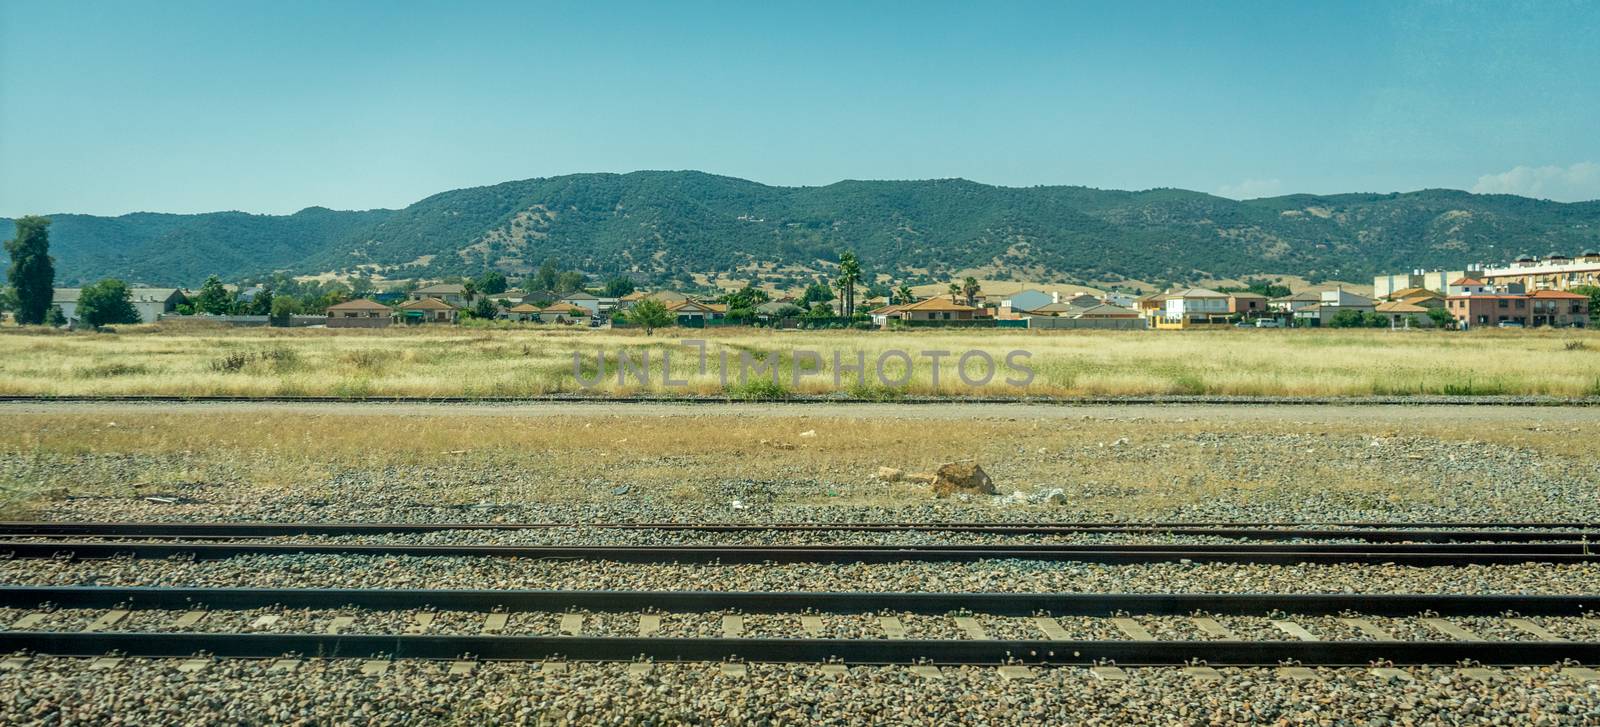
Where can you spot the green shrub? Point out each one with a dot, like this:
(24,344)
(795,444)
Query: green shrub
(758,390)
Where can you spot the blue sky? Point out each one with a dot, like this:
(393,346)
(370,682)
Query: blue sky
(178,106)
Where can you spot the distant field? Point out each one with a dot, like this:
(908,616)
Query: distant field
(500,362)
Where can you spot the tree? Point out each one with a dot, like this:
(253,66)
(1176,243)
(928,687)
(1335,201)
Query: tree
(213,299)
(33,273)
(545,279)
(849,275)
(1441,317)
(619,286)
(261,304)
(1593,291)
(747,297)
(492,282)
(649,315)
(485,309)
(954,290)
(55,318)
(817,292)
(283,308)
(903,294)
(969,289)
(1347,319)
(569,281)
(106,302)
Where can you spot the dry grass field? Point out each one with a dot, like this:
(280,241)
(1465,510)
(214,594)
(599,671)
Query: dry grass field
(511,361)
(243,461)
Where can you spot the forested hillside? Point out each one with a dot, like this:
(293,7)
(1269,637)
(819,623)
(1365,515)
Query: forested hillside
(667,224)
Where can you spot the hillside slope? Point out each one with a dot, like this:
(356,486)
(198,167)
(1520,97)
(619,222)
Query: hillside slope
(670,223)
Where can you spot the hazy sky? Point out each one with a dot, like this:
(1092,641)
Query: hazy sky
(178,106)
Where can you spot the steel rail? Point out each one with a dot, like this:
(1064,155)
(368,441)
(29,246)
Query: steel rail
(854,651)
(841,602)
(1426,554)
(1382,533)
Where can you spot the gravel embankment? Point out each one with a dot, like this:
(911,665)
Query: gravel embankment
(774,625)
(327,571)
(53,691)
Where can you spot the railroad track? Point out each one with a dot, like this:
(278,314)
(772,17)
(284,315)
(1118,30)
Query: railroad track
(1367,532)
(487,619)
(1410,554)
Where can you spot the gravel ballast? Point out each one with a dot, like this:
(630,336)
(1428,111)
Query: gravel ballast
(137,691)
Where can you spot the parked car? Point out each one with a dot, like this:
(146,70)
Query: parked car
(1510,324)
(1268,323)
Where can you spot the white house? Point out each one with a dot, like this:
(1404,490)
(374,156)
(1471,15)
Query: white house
(1469,286)
(151,303)
(1196,305)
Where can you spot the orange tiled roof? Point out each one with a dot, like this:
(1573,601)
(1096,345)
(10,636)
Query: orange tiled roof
(426,304)
(359,304)
(937,305)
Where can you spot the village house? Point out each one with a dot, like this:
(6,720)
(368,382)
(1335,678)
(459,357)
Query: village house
(1194,306)
(1555,308)
(690,313)
(508,298)
(1559,308)
(1469,286)
(453,293)
(1418,296)
(1404,315)
(1488,309)
(1290,304)
(1249,305)
(522,312)
(1331,303)
(882,314)
(1152,307)
(937,309)
(1051,309)
(562,313)
(150,303)
(426,310)
(359,313)
(1080,300)
(583,300)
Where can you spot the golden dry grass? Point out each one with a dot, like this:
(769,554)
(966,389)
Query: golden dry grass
(685,456)
(509,362)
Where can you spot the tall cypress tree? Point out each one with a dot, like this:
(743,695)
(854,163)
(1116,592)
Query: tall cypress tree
(33,273)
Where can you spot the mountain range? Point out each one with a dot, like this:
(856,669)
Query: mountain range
(669,225)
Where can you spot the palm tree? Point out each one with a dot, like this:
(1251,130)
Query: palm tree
(970,288)
(955,290)
(849,275)
(903,295)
